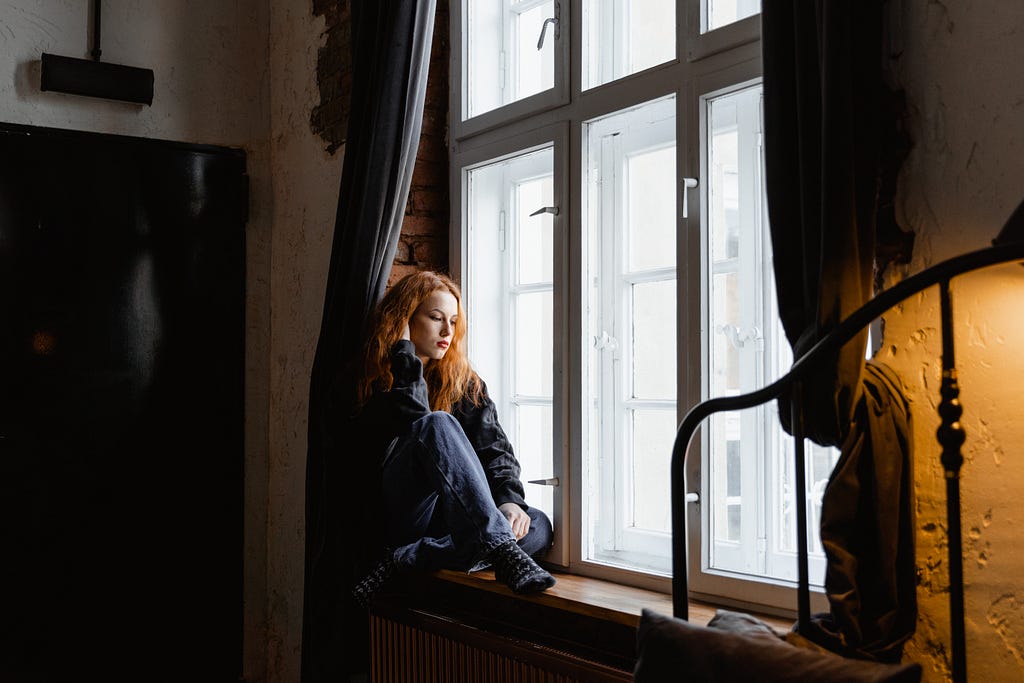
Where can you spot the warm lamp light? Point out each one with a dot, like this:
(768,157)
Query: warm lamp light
(1007,247)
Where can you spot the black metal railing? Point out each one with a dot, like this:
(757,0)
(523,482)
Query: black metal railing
(950,434)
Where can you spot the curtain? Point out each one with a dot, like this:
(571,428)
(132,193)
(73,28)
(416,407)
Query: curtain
(391,54)
(825,115)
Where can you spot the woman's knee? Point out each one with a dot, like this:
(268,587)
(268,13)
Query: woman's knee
(438,421)
(442,431)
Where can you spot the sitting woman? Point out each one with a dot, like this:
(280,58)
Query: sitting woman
(450,493)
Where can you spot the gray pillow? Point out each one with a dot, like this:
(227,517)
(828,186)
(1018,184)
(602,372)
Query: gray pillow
(670,649)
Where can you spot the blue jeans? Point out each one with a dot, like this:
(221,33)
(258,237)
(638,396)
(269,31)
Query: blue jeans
(439,513)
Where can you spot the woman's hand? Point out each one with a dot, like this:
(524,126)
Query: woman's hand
(517,517)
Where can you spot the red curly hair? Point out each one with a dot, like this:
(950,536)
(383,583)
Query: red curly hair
(449,379)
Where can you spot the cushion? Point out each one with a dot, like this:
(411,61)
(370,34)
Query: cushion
(670,649)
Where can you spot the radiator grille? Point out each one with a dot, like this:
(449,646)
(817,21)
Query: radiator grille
(438,651)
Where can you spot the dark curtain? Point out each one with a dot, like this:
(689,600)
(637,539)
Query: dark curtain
(825,110)
(390,57)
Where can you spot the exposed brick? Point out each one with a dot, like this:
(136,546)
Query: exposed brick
(431,200)
(404,251)
(432,148)
(437,98)
(431,252)
(429,174)
(398,271)
(329,119)
(418,226)
(424,240)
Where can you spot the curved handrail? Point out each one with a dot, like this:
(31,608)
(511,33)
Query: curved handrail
(941,272)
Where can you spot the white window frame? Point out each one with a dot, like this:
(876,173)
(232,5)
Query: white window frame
(462,162)
(555,96)
(707,63)
(726,587)
(619,141)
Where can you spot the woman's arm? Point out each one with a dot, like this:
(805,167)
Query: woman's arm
(407,400)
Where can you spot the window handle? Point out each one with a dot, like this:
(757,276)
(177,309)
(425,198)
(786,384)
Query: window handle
(738,337)
(688,184)
(552,481)
(606,341)
(553,210)
(544,26)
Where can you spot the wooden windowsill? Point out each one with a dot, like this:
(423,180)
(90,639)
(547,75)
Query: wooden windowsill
(599,599)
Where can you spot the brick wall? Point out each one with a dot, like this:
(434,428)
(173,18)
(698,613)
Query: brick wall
(423,244)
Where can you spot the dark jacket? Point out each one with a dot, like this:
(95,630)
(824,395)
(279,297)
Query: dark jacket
(388,415)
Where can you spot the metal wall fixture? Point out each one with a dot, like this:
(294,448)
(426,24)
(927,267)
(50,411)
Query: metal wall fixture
(93,78)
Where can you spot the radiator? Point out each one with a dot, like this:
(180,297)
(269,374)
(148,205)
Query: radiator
(417,647)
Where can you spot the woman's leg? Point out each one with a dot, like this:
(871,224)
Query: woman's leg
(440,513)
(537,541)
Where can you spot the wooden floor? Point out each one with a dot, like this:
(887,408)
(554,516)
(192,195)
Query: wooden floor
(601,599)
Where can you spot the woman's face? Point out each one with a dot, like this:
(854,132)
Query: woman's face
(433,324)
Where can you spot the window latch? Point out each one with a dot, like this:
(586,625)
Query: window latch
(688,184)
(544,27)
(551,481)
(553,210)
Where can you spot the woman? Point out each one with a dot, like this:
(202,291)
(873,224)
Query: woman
(450,492)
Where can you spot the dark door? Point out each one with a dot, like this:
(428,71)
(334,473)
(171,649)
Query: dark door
(122,269)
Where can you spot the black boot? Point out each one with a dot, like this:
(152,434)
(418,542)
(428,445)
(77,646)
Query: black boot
(517,570)
(375,580)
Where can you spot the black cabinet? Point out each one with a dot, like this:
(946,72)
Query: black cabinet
(122,273)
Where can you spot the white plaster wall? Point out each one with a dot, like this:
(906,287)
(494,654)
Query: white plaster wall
(962,68)
(211,72)
(306,182)
(208,59)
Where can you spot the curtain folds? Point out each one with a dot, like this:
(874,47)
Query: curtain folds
(391,42)
(825,117)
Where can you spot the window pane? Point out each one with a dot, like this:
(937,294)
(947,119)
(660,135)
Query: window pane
(752,496)
(738,281)
(495,193)
(533,243)
(718,13)
(534,343)
(623,37)
(630,225)
(654,340)
(533,449)
(653,434)
(727,470)
(510,324)
(651,176)
(503,63)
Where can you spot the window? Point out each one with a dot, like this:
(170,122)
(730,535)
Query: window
(751,522)
(610,234)
(630,353)
(509,287)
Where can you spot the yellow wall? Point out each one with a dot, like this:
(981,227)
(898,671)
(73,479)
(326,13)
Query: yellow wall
(961,65)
